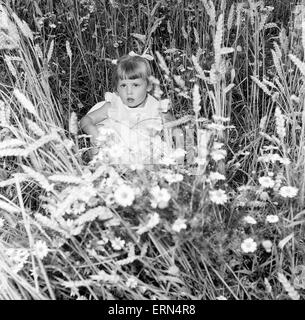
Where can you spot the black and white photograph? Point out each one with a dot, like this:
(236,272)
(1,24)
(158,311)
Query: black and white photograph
(152,150)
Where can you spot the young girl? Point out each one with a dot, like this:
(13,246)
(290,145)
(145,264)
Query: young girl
(131,112)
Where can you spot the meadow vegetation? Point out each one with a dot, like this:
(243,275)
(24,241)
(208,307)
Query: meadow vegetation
(230,225)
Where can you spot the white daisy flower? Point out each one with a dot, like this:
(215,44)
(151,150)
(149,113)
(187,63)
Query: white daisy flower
(239,48)
(272,218)
(109,200)
(285,161)
(131,283)
(267,244)
(41,249)
(174,270)
(250,220)
(172,178)
(217,145)
(248,245)
(215,176)
(143,289)
(218,196)
(68,143)
(221,119)
(264,196)
(136,166)
(216,126)
(266,182)
(218,154)
(179,224)
(288,192)
(117,243)
(152,222)
(167,161)
(161,197)
(124,195)
(17,258)
(116,152)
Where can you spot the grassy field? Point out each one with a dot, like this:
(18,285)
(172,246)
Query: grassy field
(229,226)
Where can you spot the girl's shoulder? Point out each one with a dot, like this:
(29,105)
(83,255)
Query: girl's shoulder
(111,97)
(110,100)
(152,104)
(99,105)
(152,100)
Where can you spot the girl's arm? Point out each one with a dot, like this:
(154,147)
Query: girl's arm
(168,116)
(89,121)
(165,117)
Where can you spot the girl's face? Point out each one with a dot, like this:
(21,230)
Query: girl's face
(133,91)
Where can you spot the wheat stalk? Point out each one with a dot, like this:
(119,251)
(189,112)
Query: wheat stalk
(11,143)
(280,86)
(4,116)
(231,16)
(50,51)
(303,35)
(35,128)
(271,25)
(218,41)
(38,51)
(40,178)
(47,222)
(293,294)
(162,63)
(13,153)
(184,33)
(239,9)
(25,102)
(101,170)
(269,83)
(8,207)
(10,66)
(66,179)
(100,212)
(198,68)
(229,87)
(196,98)
(263,19)
(131,257)
(276,55)
(280,123)
(210,9)
(23,26)
(196,35)
(73,128)
(261,85)
(283,40)
(40,142)
(298,63)
(277,50)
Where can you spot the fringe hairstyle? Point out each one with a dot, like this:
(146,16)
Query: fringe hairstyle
(131,67)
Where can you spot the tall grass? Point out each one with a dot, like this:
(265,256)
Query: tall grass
(71,229)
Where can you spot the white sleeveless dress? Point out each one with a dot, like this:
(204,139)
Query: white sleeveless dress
(133,128)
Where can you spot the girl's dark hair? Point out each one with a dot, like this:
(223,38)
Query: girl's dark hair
(131,67)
